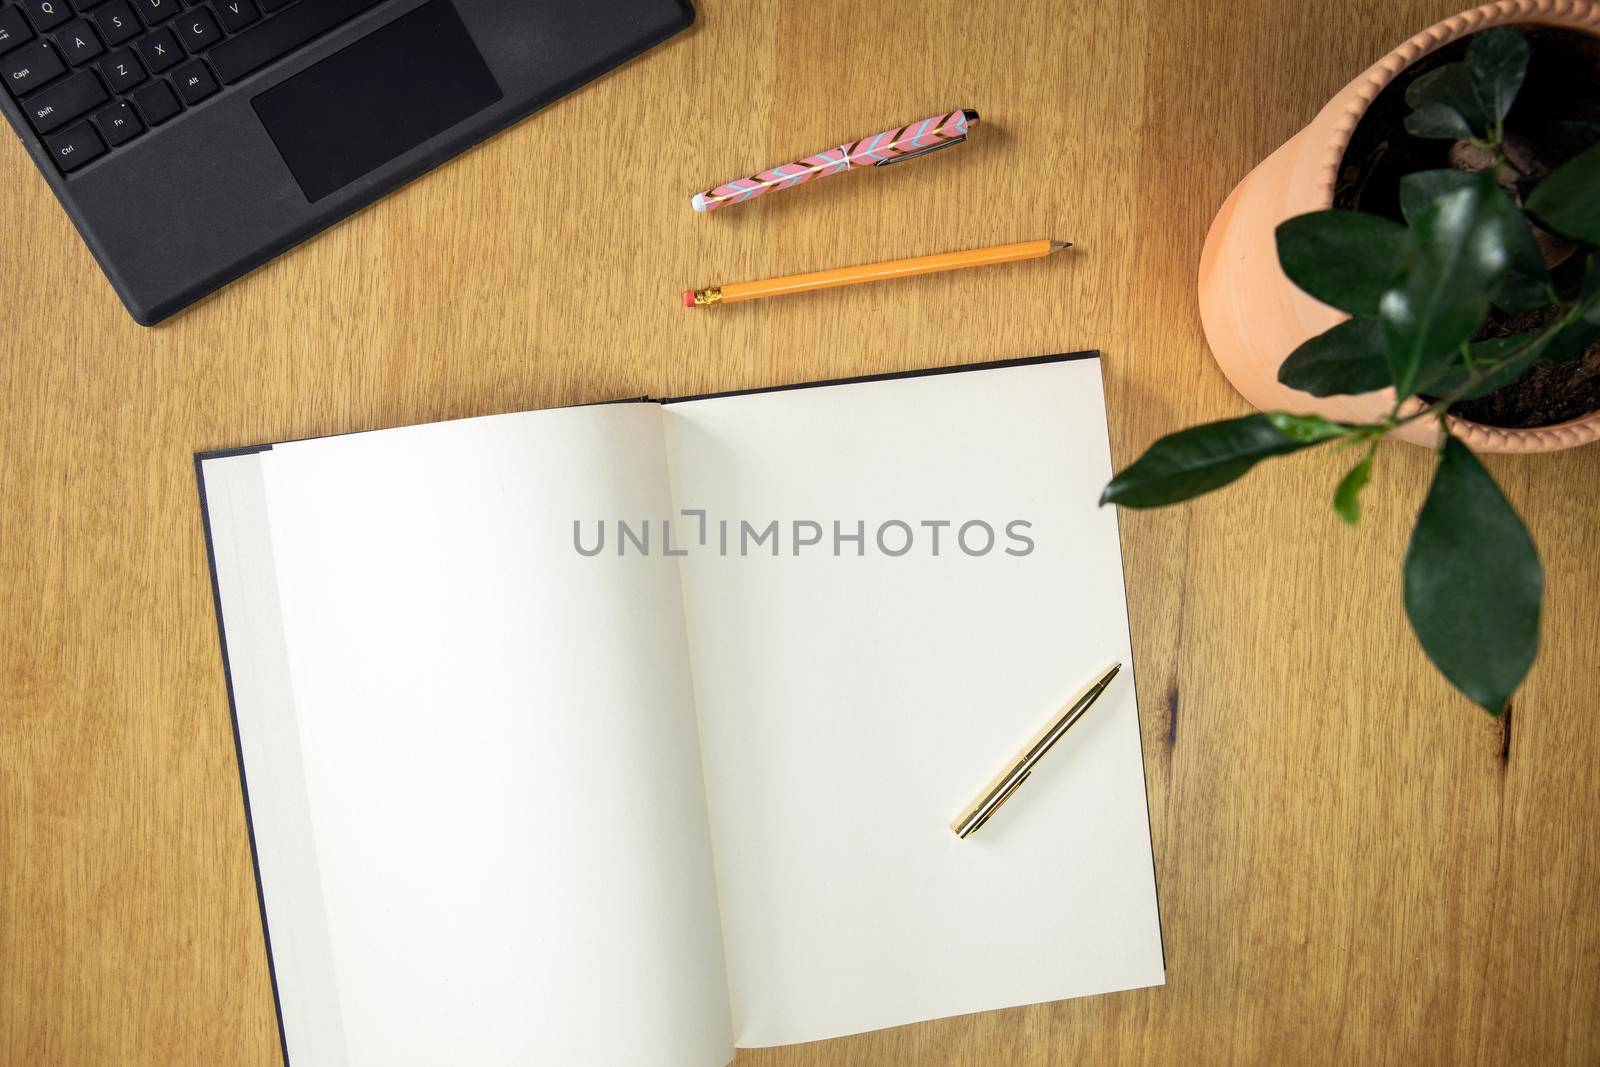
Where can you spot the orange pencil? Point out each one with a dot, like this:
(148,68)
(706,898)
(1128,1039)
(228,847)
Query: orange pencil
(872,272)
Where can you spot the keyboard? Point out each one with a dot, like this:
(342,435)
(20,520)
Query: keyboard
(93,75)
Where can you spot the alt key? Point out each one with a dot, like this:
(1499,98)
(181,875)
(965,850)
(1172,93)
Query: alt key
(194,82)
(75,147)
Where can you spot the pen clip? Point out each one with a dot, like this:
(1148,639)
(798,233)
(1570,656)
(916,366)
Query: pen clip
(921,151)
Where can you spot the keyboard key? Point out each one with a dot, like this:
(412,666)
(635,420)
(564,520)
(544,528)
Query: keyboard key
(194,82)
(46,15)
(52,108)
(159,51)
(155,102)
(121,70)
(269,6)
(236,14)
(118,124)
(14,29)
(275,37)
(76,147)
(198,30)
(116,22)
(77,41)
(156,10)
(26,69)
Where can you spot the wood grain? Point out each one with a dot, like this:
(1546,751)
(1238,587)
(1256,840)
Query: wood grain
(1355,865)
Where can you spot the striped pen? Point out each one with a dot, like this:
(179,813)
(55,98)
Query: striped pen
(890,146)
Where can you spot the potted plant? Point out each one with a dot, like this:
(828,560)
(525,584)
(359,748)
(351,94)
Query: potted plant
(1471,277)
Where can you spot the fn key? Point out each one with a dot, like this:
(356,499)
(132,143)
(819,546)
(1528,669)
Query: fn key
(75,147)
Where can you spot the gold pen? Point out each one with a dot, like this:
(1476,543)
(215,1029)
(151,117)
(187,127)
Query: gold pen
(999,791)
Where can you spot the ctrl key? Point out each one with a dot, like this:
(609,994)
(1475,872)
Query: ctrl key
(75,147)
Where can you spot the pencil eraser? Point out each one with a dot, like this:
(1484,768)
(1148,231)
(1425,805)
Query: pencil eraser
(688,298)
(699,203)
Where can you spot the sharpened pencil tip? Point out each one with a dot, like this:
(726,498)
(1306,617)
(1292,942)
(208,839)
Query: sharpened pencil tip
(1056,246)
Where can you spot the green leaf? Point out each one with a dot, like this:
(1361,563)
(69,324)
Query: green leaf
(1307,429)
(1436,122)
(1423,187)
(1347,497)
(1202,458)
(1447,97)
(1455,253)
(1350,358)
(1343,258)
(1473,584)
(1497,61)
(1568,201)
(1524,286)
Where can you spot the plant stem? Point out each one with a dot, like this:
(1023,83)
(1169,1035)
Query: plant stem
(1481,374)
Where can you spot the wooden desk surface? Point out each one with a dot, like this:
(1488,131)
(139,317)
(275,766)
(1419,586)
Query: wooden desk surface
(1355,865)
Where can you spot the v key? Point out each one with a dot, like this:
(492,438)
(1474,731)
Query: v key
(235,15)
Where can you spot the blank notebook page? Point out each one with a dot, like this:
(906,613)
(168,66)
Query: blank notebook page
(472,757)
(850,706)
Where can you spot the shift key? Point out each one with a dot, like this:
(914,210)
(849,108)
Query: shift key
(280,35)
(52,108)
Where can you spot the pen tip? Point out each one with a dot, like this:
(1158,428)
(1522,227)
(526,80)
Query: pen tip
(1056,246)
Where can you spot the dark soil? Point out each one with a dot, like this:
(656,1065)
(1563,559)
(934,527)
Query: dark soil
(1562,87)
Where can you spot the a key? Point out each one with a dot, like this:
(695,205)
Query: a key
(198,30)
(77,42)
(121,70)
(51,108)
(118,124)
(116,22)
(269,6)
(236,14)
(155,102)
(28,68)
(160,51)
(156,10)
(14,29)
(76,147)
(194,82)
(46,15)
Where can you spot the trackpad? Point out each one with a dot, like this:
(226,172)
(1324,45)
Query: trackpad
(377,99)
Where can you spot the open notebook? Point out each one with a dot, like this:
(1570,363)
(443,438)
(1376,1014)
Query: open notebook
(517,801)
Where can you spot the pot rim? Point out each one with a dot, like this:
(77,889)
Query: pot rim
(1582,16)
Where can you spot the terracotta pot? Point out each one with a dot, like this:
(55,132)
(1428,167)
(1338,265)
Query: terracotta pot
(1254,316)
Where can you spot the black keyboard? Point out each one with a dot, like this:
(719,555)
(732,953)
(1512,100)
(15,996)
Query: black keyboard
(92,75)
